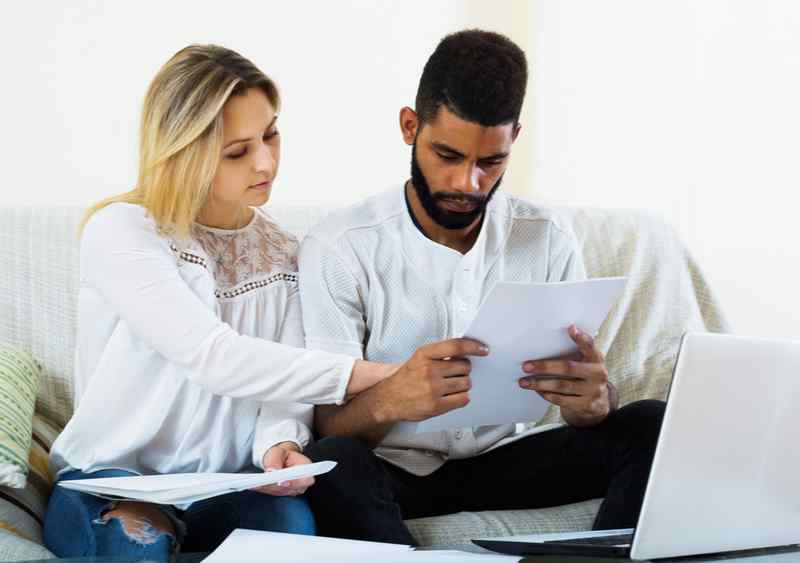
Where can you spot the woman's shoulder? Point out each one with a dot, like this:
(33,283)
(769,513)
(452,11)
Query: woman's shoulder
(121,224)
(119,214)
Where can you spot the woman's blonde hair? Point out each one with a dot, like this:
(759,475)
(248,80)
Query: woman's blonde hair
(181,133)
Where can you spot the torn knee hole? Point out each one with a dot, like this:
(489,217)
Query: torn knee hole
(140,528)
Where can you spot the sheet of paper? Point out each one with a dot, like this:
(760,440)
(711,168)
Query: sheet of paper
(182,488)
(251,546)
(519,322)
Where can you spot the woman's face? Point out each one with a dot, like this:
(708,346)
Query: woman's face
(250,155)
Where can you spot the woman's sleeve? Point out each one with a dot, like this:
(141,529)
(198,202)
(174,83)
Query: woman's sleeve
(135,272)
(284,422)
(281,422)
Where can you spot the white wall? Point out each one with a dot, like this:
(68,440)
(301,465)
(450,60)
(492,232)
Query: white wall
(684,107)
(688,108)
(75,74)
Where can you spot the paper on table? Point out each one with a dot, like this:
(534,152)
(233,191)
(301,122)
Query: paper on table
(522,321)
(251,546)
(245,546)
(183,488)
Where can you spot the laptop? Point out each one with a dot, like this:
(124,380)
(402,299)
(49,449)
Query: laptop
(726,472)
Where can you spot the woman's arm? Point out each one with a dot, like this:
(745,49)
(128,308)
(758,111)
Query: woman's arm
(366,374)
(135,272)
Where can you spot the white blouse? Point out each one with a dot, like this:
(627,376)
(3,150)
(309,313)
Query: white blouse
(188,354)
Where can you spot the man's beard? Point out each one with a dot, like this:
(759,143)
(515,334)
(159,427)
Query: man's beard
(430,202)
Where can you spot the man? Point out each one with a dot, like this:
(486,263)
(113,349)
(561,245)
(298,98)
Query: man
(410,267)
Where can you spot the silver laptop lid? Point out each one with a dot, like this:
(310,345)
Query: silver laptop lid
(726,473)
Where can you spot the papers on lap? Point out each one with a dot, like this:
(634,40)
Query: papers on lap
(519,322)
(185,488)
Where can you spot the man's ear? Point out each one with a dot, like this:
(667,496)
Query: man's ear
(409,123)
(517,129)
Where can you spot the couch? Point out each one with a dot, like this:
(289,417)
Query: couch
(666,295)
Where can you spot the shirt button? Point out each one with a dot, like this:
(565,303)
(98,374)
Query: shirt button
(459,434)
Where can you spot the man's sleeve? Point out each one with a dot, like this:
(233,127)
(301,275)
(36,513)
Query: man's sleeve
(566,260)
(333,306)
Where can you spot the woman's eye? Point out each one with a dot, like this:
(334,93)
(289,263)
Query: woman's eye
(271,134)
(236,155)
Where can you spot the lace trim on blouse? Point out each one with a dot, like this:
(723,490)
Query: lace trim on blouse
(246,259)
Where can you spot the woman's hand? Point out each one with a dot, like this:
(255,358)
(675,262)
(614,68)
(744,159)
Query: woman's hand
(281,456)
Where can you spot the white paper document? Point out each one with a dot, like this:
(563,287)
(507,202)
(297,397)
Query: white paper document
(186,488)
(519,322)
(251,546)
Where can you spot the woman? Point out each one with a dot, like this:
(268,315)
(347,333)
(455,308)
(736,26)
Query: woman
(189,326)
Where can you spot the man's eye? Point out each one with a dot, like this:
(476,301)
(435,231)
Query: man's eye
(491,163)
(447,157)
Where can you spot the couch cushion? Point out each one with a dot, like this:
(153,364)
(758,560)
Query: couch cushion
(457,530)
(39,289)
(22,510)
(15,548)
(19,383)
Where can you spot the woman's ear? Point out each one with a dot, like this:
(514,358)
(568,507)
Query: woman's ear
(409,122)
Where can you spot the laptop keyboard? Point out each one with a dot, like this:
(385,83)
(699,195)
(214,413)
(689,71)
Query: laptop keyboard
(622,540)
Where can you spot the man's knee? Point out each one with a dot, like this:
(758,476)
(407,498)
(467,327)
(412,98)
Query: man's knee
(355,463)
(142,523)
(340,449)
(643,418)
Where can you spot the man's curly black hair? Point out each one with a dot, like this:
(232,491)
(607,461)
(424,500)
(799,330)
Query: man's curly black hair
(479,75)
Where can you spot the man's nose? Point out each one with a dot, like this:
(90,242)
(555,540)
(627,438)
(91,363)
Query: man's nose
(466,178)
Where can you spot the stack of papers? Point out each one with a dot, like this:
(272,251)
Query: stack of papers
(251,546)
(519,322)
(186,488)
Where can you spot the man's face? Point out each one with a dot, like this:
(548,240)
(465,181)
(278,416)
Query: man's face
(456,165)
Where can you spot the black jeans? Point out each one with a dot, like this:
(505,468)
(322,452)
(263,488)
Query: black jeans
(367,498)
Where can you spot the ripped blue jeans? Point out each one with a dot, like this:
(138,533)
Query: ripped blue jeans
(75,524)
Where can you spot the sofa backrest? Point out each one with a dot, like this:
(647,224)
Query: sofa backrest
(665,296)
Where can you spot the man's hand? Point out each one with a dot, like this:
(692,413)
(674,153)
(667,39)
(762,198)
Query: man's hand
(433,381)
(578,384)
(281,456)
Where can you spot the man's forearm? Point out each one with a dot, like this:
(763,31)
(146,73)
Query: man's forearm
(367,417)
